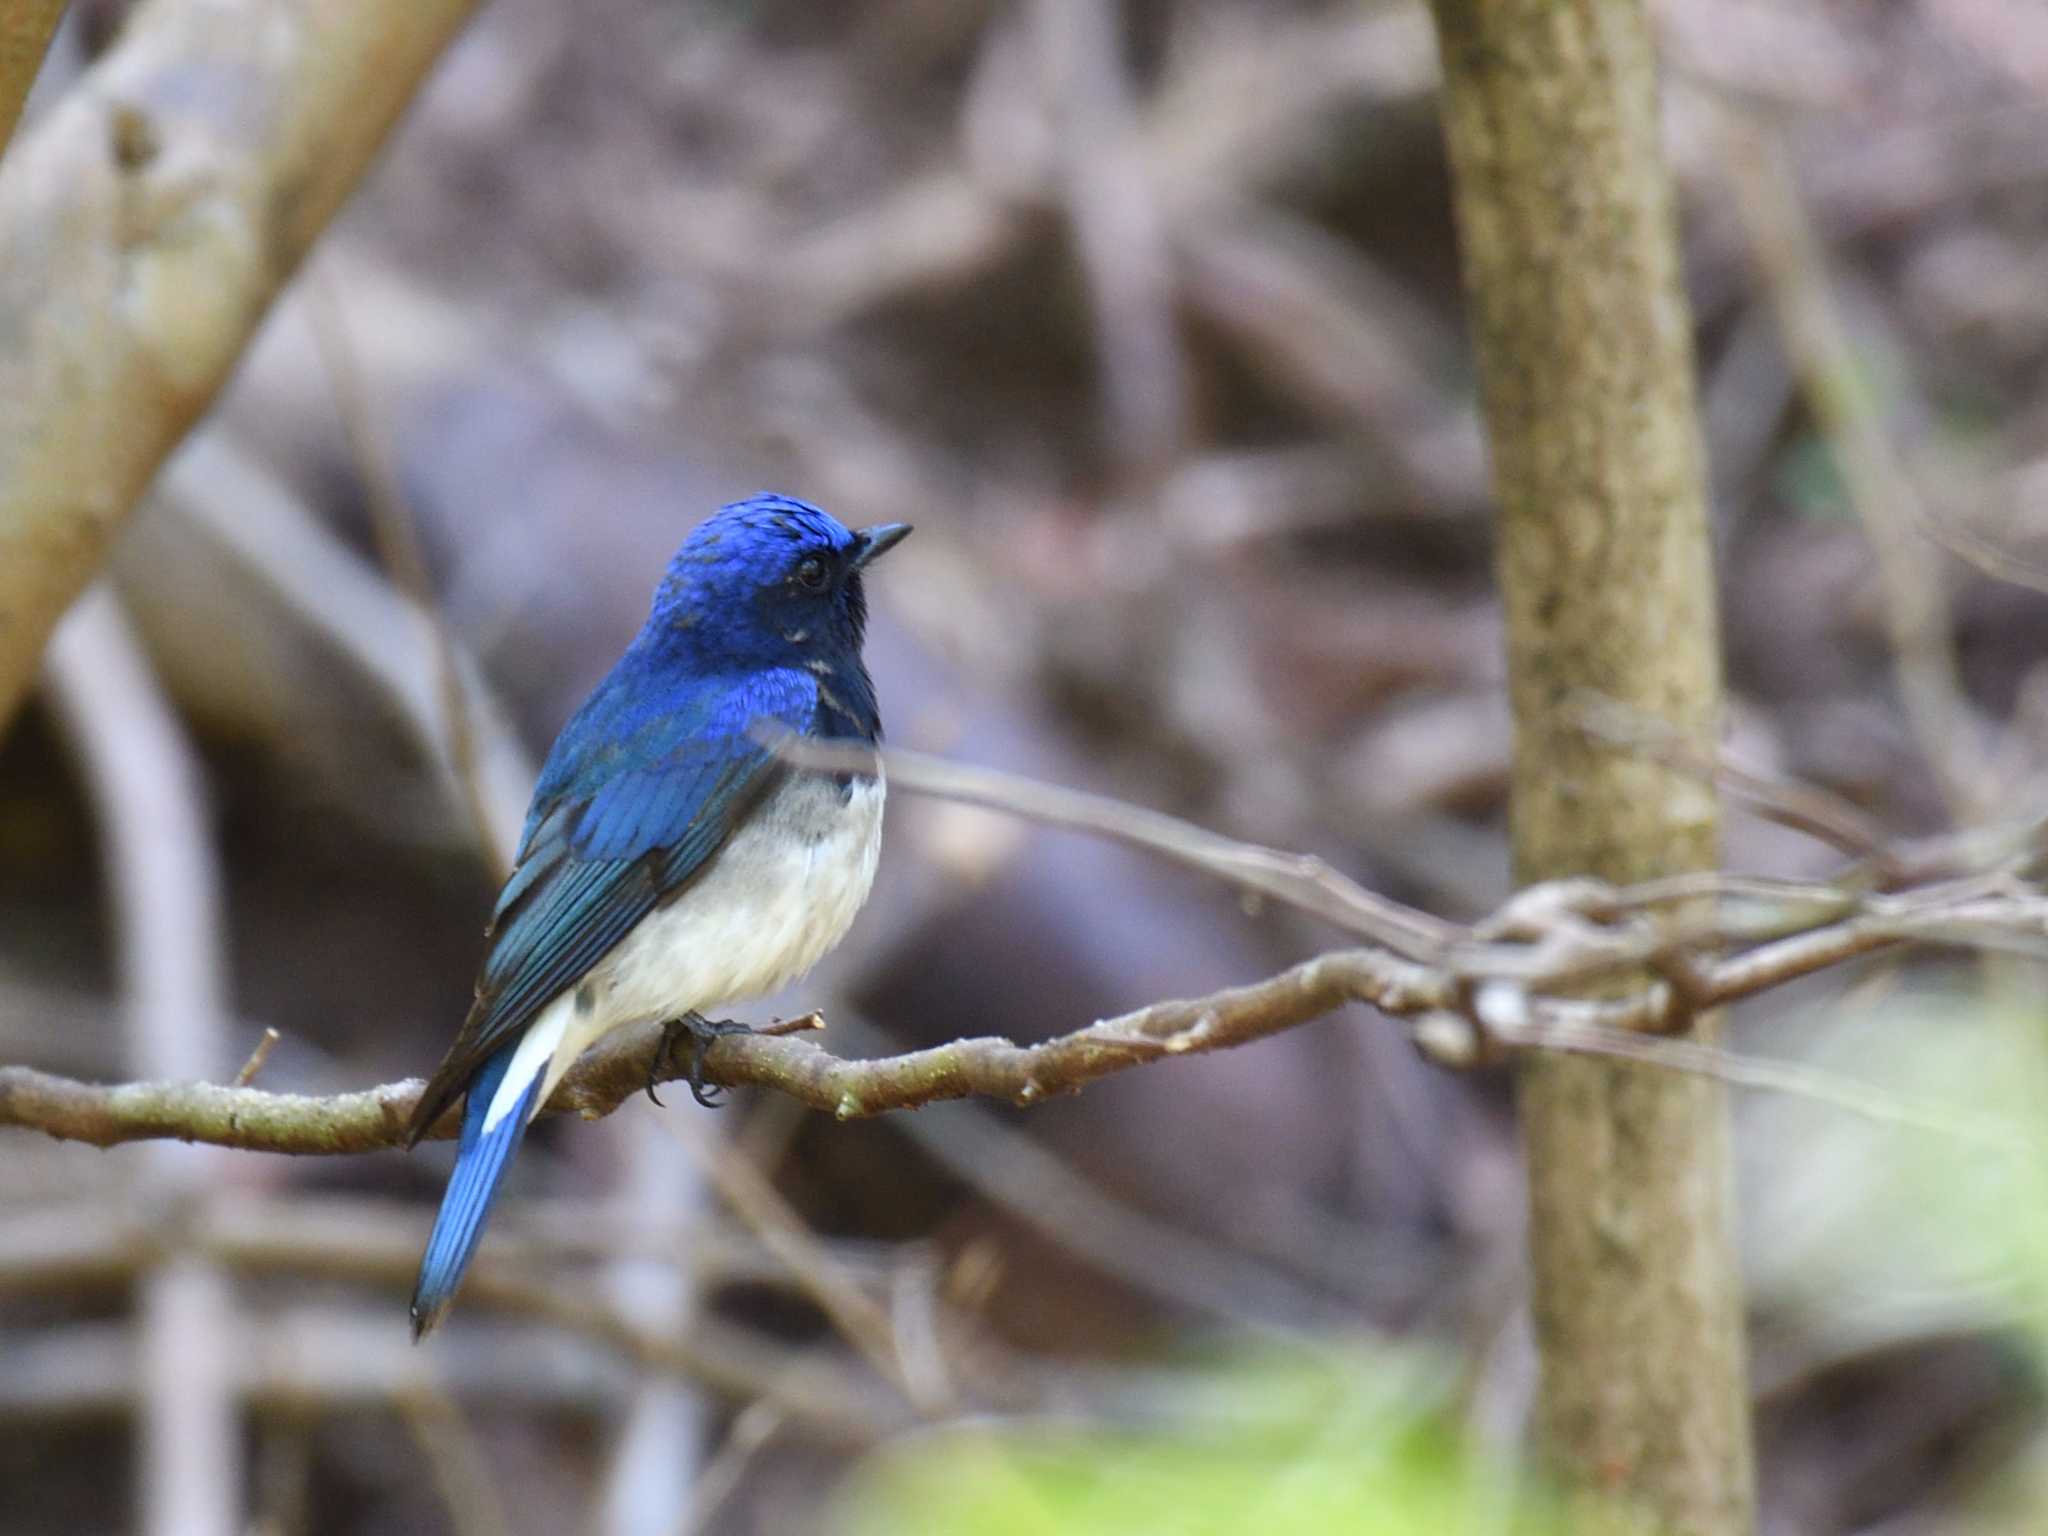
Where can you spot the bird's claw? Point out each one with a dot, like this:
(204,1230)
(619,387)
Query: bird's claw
(702,1032)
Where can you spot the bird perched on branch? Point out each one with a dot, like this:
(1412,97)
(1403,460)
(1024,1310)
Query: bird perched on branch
(671,862)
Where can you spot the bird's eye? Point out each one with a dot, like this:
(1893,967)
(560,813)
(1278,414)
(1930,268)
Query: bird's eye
(812,575)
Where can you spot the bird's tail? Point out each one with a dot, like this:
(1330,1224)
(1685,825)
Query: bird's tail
(481,1159)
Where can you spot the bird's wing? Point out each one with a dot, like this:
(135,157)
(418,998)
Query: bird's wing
(622,819)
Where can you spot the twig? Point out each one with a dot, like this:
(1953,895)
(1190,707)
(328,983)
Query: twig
(754,1200)
(1564,932)
(262,526)
(1916,607)
(1300,880)
(1142,1250)
(375,1245)
(619,1067)
(1549,942)
(398,546)
(1789,1077)
(750,1432)
(1803,807)
(71,1248)
(807,1384)
(461,1474)
(258,1057)
(1986,554)
(1313,312)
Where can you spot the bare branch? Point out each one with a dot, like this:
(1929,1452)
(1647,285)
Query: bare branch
(751,1196)
(1805,808)
(257,522)
(1916,607)
(1706,938)
(619,1067)
(405,562)
(1300,880)
(1566,949)
(1790,1077)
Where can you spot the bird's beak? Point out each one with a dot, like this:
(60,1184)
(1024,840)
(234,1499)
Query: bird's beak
(878,540)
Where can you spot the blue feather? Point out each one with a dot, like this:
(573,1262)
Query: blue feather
(620,826)
(481,1159)
(760,617)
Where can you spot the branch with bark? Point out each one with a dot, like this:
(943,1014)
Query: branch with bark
(145,228)
(25,33)
(1511,984)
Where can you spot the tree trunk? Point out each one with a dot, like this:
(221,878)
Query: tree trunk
(1583,339)
(26,27)
(146,223)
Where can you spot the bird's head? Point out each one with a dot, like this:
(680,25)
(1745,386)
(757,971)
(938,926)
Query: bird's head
(770,581)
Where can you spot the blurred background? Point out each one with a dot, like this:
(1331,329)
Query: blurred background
(1147,316)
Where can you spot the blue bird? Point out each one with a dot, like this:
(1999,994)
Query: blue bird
(670,862)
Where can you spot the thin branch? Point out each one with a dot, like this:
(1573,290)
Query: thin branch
(1346,339)
(375,1246)
(405,562)
(1298,879)
(619,1067)
(1916,609)
(753,1198)
(1547,944)
(1821,814)
(256,521)
(750,1433)
(1986,554)
(258,1057)
(1807,808)
(460,1471)
(1514,1025)
(735,1363)
(342,1358)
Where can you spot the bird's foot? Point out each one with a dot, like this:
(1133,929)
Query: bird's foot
(702,1032)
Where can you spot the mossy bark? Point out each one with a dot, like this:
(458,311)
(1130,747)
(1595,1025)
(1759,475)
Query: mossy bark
(1583,338)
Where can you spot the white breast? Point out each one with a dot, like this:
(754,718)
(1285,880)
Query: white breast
(782,892)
